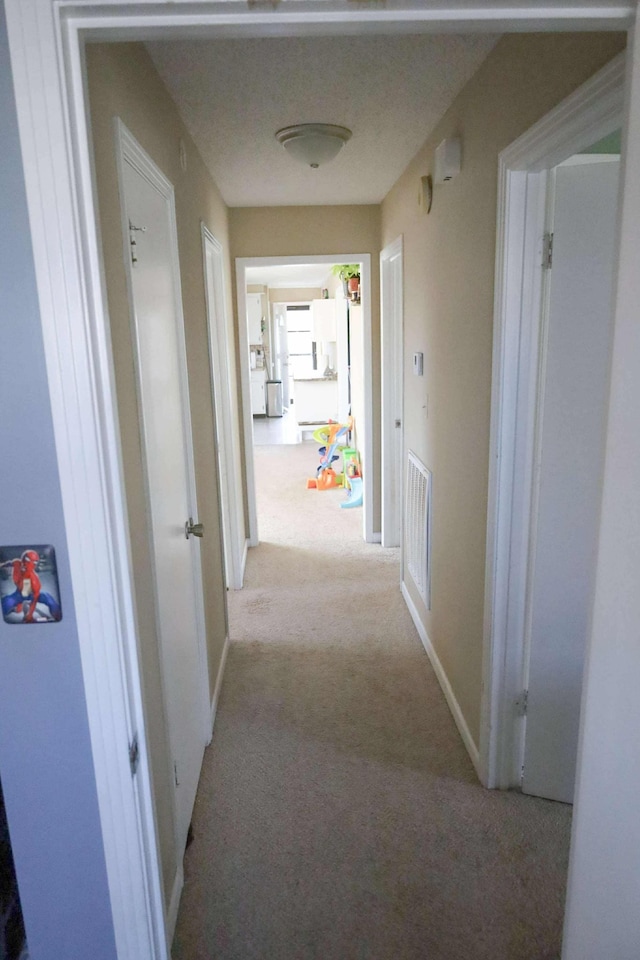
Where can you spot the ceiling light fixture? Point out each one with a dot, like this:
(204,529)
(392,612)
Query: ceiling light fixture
(313,143)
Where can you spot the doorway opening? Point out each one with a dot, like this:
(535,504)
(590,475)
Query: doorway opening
(576,335)
(305,363)
(221,349)
(557,249)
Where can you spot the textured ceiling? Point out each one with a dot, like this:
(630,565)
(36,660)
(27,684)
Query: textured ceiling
(390,91)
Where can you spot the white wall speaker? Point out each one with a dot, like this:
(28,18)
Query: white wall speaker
(447,160)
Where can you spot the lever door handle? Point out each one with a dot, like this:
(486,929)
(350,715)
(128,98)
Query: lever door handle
(195,529)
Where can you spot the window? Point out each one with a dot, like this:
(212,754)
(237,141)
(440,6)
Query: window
(302,349)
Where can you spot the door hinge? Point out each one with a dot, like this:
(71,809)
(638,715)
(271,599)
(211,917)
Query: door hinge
(547,251)
(175,773)
(522,703)
(132,240)
(134,755)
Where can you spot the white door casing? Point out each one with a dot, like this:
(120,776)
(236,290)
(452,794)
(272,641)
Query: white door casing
(165,424)
(587,115)
(572,403)
(392,390)
(364,259)
(342,363)
(46,56)
(228,453)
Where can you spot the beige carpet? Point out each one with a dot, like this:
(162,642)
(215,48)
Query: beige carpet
(338,815)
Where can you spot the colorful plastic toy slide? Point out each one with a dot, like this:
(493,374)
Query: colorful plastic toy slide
(354,496)
(330,435)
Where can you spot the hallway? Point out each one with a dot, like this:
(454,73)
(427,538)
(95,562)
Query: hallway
(338,815)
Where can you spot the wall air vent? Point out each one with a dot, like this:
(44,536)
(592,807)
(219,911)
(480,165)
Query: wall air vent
(417,527)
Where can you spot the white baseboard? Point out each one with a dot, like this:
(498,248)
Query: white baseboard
(216,693)
(174,903)
(443,680)
(376,538)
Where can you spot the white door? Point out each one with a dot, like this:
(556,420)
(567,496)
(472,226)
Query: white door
(392,384)
(219,361)
(570,454)
(166,440)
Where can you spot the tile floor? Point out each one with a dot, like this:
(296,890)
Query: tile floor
(275,430)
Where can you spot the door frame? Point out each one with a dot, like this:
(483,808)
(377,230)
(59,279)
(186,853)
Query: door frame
(220,358)
(392,398)
(129,150)
(364,259)
(581,119)
(46,40)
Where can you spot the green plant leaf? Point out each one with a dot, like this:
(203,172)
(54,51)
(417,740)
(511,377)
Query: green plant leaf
(346,270)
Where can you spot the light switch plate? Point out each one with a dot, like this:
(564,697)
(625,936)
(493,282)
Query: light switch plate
(418,364)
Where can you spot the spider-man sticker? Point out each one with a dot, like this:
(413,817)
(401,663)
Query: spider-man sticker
(29,584)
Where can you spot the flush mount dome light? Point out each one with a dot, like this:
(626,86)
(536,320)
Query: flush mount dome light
(313,143)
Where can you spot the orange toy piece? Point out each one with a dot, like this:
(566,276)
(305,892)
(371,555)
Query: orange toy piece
(312,485)
(326,479)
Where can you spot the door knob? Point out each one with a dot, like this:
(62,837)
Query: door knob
(197,529)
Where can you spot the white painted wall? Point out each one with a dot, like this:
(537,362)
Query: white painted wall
(602,918)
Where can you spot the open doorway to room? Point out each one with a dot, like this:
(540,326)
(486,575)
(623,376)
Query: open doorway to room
(577,332)
(286,351)
(542,549)
(305,354)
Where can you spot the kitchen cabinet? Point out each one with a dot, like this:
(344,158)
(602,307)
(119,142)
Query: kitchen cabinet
(258,399)
(316,399)
(323,320)
(254,317)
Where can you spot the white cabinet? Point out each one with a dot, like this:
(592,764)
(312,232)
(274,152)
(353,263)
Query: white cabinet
(316,400)
(258,401)
(254,317)
(323,320)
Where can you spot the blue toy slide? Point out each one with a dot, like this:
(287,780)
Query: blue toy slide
(354,497)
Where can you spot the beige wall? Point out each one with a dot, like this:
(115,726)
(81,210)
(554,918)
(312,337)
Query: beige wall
(124,83)
(294,294)
(449,259)
(297,231)
(334,285)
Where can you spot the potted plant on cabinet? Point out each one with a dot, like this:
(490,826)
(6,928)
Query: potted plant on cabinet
(349,273)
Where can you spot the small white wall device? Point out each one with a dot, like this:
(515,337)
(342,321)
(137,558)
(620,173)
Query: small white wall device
(447,160)
(418,364)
